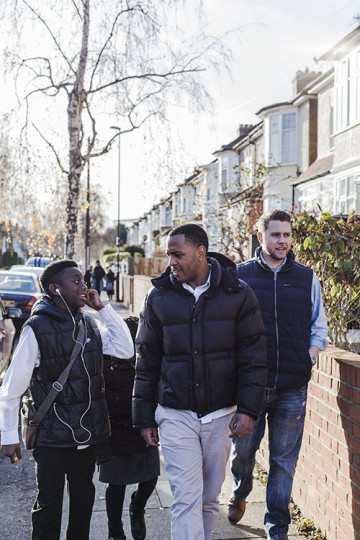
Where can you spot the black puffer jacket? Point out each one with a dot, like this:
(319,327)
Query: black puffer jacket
(119,381)
(200,356)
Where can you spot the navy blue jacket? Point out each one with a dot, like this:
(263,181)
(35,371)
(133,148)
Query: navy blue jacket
(285,303)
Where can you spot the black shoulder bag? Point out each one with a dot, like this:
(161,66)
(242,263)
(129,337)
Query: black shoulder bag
(30,416)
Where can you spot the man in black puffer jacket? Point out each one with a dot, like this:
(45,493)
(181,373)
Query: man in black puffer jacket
(200,374)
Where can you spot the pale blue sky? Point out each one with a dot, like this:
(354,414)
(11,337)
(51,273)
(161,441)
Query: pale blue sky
(277,38)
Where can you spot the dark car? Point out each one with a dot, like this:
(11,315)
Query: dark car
(7,335)
(20,290)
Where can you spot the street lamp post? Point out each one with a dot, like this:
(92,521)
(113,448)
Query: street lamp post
(118,223)
(87,221)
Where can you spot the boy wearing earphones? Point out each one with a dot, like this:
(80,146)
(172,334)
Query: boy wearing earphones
(78,419)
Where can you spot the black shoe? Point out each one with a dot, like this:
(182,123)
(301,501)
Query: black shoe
(120,535)
(137,520)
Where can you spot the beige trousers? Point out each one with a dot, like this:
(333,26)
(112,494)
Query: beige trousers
(195,457)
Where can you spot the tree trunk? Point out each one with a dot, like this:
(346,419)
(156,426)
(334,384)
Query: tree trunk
(76,160)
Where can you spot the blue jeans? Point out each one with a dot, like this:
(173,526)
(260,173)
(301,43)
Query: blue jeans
(285,411)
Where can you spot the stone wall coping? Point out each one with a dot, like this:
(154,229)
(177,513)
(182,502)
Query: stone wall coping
(341,355)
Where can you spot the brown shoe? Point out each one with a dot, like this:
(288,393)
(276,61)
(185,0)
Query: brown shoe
(236,509)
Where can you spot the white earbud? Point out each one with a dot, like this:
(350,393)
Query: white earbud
(58,291)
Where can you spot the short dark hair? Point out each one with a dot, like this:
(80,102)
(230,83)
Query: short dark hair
(272,215)
(193,233)
(51,272)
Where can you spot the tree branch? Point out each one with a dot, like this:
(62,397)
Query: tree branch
(150,76)
(108,145)
(52,148)
(51,34)
(26,62)
(77,9)
(107,41)
(94,132)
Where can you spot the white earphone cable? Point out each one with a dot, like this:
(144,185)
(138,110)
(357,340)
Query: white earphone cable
(88,376)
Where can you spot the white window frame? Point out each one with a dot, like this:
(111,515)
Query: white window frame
(276,146)
(316,191)
(347,91)
(345,194)
(248,167)
(224,173)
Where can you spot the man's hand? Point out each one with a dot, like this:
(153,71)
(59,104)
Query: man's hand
(12,451)
(314,351)
(240,425)
(93,300)
(151,436)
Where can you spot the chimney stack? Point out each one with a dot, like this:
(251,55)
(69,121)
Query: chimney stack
(302,79)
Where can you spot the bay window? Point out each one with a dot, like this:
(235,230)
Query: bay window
(282,138)
(347,91)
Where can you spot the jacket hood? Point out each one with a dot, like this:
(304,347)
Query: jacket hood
(290,259)
(223,273)
(45,306)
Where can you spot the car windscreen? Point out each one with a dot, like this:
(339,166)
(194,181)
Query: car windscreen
(17,283)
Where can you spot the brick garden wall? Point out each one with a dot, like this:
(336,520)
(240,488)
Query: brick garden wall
(327,479)
(150,266)
(134,291)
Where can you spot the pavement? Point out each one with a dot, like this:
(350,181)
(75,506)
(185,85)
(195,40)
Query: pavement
(18,490)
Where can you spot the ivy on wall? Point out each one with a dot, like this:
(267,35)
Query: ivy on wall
(330,245)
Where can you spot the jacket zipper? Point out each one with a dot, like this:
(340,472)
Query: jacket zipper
(276,329)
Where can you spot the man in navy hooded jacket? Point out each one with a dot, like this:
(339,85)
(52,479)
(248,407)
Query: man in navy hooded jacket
(289,295)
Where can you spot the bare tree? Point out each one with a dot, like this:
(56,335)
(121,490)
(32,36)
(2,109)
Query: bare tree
(127,56)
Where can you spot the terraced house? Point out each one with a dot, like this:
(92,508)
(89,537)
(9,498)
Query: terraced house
(303,152)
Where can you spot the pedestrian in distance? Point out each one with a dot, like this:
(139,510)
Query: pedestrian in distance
(296,330)
(200,374)
(133,462)
(110,280)
(88,276)
(98,274)
(78,419)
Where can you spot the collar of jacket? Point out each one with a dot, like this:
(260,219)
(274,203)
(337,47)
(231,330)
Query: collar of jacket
(46,306)
(223,274)
(290,259)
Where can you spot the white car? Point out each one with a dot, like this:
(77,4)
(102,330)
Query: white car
(37,270)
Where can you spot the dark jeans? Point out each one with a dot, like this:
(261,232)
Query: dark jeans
(98,286)
(115,500)
(285,413)
(53,465)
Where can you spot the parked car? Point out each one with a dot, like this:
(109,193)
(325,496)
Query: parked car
(7,335)
(37,270)
(39,261)
(20,290)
